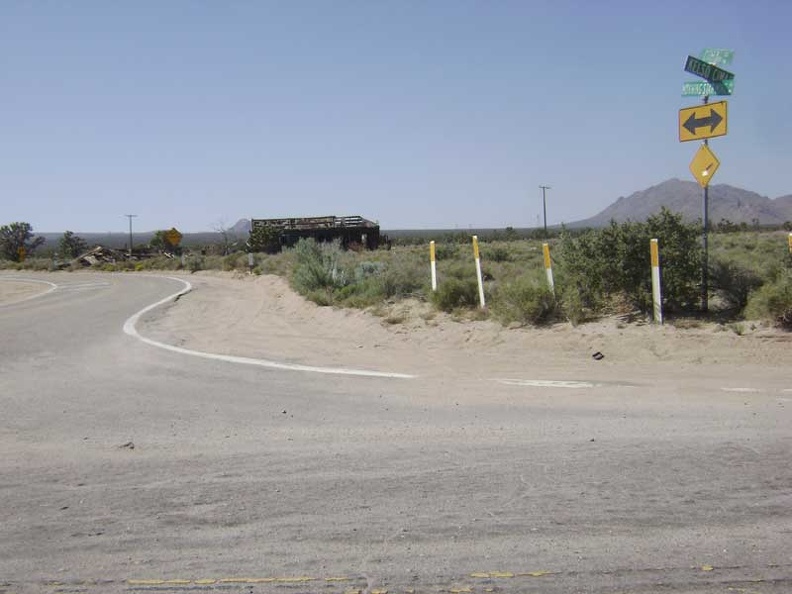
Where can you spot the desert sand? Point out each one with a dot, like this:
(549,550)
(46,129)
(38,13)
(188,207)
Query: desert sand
(261,317)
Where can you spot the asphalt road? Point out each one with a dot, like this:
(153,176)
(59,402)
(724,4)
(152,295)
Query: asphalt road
(128,468)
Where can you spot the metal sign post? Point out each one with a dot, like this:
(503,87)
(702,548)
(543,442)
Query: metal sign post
(703,123)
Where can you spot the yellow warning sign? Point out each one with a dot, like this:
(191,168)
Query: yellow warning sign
(704,165)
(173,236)
(703,121)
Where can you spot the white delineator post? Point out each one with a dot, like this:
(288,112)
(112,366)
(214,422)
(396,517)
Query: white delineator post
(657,297)
(548,267)
(478,271)
(433,264)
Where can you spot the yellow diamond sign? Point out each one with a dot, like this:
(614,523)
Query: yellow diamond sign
(173,236)
(704,165)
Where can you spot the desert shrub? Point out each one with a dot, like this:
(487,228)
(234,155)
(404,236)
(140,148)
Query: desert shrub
(400,275)
(158,263)
(317,268)
(235,261)
(496,254)
(773,301)
(36,264)
(571,306)
(194,262)
(366,270)
(404,276)
(524,301)
(446,251)
(733,283)
(454,293)
(615,260)
(680,260)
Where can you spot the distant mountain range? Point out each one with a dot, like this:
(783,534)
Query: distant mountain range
(685,197)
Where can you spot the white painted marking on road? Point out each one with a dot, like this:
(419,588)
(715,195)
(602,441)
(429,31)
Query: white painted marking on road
(546,383)
(131,330)
(741,390)
(83,286)
(52,287)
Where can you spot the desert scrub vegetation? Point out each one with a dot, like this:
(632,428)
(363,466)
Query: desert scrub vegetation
(599,265)
(597,273)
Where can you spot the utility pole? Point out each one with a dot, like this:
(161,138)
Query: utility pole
(544,207)
(130,217)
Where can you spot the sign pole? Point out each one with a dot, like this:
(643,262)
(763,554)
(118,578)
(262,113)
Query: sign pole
(693,125)
(705,242)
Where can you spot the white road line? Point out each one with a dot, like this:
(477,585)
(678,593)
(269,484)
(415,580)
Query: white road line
(131,330)
(546,383)
(52,287)
(83,286)
(748,390)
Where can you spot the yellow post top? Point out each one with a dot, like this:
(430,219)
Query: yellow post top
(546,252)
(655,253)
(475,247)
(432,251)
(790,243)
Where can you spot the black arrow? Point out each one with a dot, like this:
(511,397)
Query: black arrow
(712,121)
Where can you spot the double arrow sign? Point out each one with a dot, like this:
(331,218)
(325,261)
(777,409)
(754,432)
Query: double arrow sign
(702,121)
(708,120)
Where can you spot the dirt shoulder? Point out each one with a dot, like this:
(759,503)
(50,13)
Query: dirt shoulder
(262,317)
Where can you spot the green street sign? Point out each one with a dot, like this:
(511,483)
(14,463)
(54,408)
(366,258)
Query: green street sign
(700,88)
(718,57)
(706,70)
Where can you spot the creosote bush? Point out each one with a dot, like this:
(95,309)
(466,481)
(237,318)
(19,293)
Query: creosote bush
(455,293)
(524,301)
(603,263)
(773,301)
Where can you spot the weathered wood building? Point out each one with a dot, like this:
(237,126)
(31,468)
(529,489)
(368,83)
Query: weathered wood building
(349,230)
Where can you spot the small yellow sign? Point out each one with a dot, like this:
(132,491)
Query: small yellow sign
(704,165)
(173,236)
(703,121)
(21,253)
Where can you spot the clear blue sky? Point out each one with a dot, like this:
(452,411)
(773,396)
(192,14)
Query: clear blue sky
(418,114)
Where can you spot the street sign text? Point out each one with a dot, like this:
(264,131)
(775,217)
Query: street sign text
(706,71)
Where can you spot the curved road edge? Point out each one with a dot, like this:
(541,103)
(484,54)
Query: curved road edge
(52,287)
(131,329)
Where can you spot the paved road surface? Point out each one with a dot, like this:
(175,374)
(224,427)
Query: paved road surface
(127,468)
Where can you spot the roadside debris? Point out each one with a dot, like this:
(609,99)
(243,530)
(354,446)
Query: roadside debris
(100,255)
